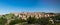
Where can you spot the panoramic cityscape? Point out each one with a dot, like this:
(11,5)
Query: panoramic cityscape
(29,12)
(25,15)
(30,18)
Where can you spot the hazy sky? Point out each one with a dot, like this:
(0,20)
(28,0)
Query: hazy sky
(7,6)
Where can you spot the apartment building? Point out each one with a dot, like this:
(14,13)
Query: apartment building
(25,15)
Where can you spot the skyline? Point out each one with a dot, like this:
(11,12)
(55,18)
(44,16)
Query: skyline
(7,6)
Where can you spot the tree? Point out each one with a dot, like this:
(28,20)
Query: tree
(3,21)
(31,20)
(44,21)
(10,16)
(16,21)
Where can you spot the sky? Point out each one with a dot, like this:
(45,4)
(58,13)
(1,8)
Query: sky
(7,6)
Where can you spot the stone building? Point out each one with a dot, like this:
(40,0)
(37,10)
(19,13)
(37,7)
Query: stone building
(25,15)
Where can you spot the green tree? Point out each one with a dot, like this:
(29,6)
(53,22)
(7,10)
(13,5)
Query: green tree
(3,21)
(44,21)
(31,20)
(10,16)
(16,21)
